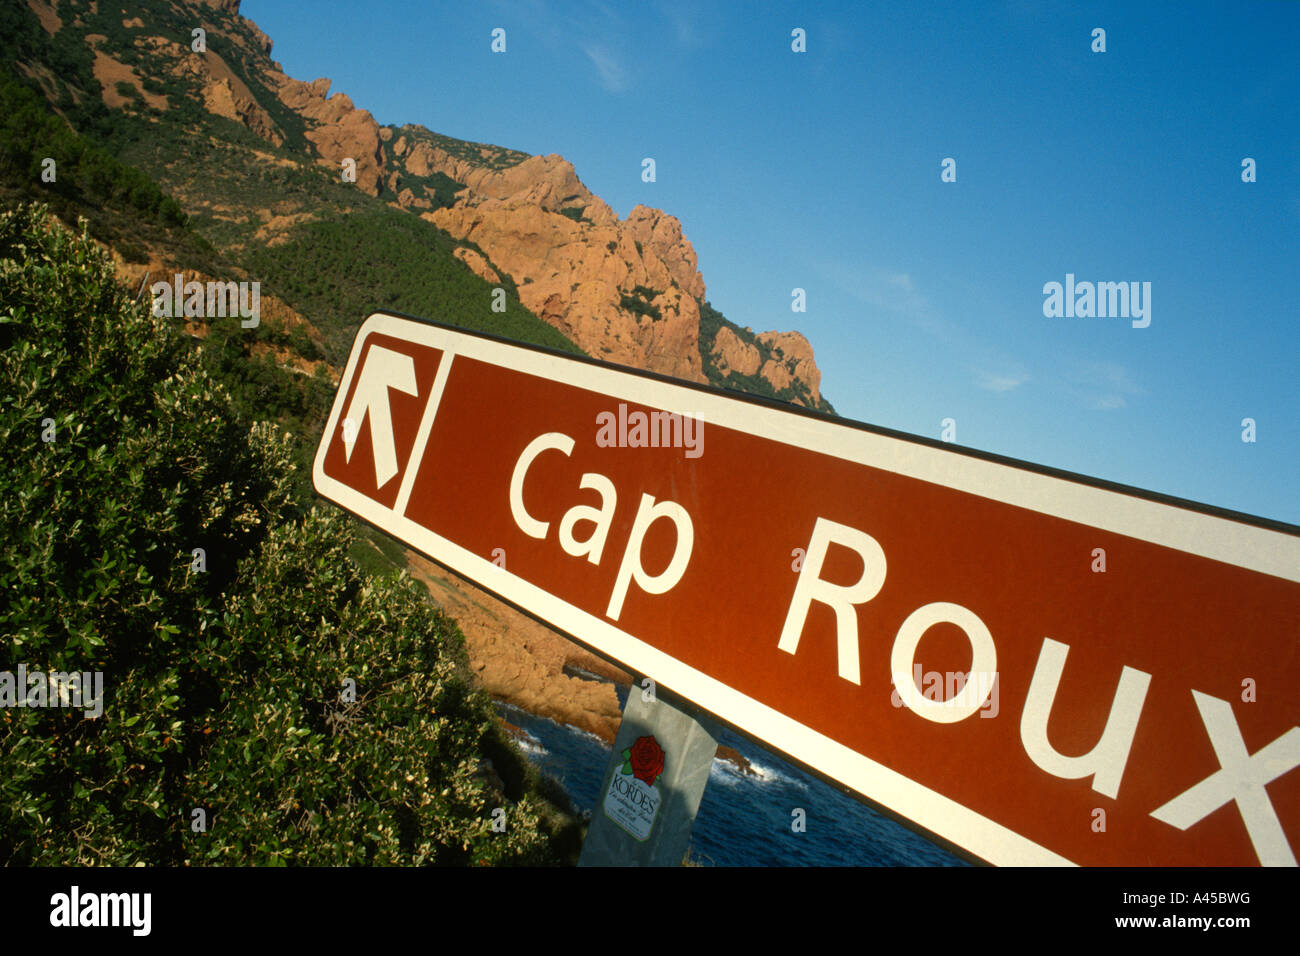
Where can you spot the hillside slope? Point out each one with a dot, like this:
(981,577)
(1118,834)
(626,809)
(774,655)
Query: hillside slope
(215,164)
(259,159)
(257,699)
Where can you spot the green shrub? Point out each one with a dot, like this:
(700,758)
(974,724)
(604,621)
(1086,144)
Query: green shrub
(86,174)
(338,272)
(639,302)
(132,251)
(221,686)
(303,344)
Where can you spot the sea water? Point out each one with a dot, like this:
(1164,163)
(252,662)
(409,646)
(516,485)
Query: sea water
(744,820)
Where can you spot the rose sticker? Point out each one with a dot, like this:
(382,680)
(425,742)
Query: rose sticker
(632,799)
(644,760)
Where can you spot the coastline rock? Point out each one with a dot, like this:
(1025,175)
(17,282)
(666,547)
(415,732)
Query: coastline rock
(523,662)
(223,97)
(736,759)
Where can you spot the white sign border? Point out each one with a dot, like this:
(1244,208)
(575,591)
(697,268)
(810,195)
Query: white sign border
(1251,546)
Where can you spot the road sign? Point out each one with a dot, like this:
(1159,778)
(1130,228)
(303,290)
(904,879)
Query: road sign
(1034,666)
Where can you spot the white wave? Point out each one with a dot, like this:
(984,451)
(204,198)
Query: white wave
(724,771)
(588,734)
(766,774)
(530,745)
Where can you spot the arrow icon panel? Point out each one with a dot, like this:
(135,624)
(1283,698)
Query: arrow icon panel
(384,369)
(384,395)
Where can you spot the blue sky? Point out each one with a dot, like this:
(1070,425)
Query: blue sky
(821,170)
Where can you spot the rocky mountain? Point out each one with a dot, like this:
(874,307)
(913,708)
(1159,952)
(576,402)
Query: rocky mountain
(626,290)
(191,152)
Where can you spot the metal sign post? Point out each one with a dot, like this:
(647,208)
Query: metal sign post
(652,787)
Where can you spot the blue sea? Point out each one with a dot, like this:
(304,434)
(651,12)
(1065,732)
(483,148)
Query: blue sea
(743,820)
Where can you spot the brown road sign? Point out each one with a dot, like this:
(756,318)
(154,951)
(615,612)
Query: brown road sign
(1035,666)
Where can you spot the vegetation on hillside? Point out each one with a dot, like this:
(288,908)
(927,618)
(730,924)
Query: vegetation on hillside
(711,323)
(440,188)
(478,154)
(640,301)
(226,681)
(224,685)
(40,157)
(338,272)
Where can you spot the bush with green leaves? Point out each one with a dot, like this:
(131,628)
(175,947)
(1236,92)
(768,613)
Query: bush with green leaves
(339,271)
(640,302)
(85,174)
(227,683)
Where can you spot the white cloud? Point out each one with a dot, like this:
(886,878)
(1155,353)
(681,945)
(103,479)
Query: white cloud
(878,288)
(600,30)
(897,293)
(902,280)
(684,29)
(612,75)
(995,382)
(1103,386)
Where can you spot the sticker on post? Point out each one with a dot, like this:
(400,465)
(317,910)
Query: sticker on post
(632,800)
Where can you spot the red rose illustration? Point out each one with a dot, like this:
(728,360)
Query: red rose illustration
(646,759)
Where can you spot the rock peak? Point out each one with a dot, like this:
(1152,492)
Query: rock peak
(627,290)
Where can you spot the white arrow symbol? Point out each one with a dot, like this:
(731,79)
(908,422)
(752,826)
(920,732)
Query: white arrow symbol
(384,369)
